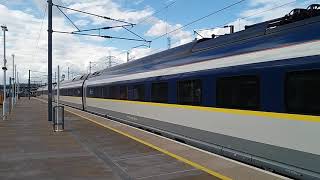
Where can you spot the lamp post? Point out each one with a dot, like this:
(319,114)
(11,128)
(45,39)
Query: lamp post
(29,86)
(18,86)
(10,90)
(50,60)
(13,84)
(4,68)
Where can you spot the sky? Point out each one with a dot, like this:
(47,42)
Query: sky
(27,24)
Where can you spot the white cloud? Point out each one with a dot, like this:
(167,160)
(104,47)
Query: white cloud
(68,50)
(139,53)
(179,36)
(138,2)
(110,9)
(81,22)
(263,2)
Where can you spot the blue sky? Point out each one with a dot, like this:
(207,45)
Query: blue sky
(27,28)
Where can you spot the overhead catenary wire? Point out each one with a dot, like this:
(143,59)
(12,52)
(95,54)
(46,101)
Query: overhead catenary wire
(38,71)
(254,14)
(136,34)
(92,14)
(273,8)
(39,35)
(79,32)
(68,18)
(261,12)
(148,17)
(145,19)
(93,29)
(246,17)
(102,28)
(199,19)
(194,21)
(97,35)
(158,11)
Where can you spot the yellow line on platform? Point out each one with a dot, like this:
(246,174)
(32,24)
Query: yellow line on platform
(182,159)
(191,163)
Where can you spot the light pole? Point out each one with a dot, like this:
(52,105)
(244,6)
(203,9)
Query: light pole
(10,90)
(50,60)
(56,120)
(13,84)
(18,86)
(4,68)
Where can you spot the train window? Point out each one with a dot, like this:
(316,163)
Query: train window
(63,92)
(70,92)
(97,92)
(105,92)
(302,92)
(77,92)
(159,92)
(138,93)
(240,92)
(74,92)
(123,92)
(113,94)
(91,92)
(102,92)
(189,92)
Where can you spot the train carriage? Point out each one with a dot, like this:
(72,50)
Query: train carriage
(252,95)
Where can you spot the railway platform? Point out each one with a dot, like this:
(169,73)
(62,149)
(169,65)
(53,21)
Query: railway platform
(93,147)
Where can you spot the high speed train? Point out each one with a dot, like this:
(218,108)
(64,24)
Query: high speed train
(253,95)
